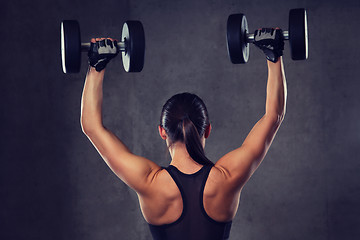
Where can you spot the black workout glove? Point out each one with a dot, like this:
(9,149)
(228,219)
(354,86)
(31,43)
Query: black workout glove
(101,52)
(271,41)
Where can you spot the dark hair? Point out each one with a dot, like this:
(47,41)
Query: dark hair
(185,118)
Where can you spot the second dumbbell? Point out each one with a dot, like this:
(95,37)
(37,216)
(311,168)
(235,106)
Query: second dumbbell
(238,36)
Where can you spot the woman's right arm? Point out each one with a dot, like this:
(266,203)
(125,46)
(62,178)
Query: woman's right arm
(238,165)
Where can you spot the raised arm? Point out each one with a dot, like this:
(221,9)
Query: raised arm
(238,165)
(137,172)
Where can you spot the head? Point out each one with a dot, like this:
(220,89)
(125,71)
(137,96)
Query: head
(184,118)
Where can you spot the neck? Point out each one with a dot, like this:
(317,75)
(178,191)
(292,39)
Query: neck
(182,160)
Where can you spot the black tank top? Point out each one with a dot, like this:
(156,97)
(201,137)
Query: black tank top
(193,223)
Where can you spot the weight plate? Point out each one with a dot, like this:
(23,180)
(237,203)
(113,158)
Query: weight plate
(237,46)
(298,34)
(70,46)
(134,38)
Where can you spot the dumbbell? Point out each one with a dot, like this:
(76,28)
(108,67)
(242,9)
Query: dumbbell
(132,46)
(238,36)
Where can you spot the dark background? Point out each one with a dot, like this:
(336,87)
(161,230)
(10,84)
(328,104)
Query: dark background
(53,183)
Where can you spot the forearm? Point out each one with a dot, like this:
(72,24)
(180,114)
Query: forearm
(276,89)
(91,102)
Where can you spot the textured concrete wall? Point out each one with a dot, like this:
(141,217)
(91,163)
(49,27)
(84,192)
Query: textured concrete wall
(53,183)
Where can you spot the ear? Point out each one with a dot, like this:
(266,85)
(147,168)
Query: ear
(207,131)
(162,133)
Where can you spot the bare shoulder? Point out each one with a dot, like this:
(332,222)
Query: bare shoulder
(162,182)
(218,173)
(220,199)
(163,203)
(217,180)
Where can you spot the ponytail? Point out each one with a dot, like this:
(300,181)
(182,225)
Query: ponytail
(185,119)
(193,143)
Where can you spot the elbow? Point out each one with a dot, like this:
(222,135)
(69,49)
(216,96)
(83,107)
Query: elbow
(91,132)
(277,115)
(276,118)
(282,114)
(86,127)
(90,125)
(281,117)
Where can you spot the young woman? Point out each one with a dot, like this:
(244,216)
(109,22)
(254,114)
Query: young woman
(192,198)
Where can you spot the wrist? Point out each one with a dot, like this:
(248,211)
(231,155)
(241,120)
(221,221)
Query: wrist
(95,76)
(275,64)
(92,70)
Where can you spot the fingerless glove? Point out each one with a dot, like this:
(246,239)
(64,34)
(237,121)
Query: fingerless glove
(101,52)
(271,42)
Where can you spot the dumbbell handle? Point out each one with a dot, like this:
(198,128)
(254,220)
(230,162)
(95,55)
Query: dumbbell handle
(250,36)
(86,46)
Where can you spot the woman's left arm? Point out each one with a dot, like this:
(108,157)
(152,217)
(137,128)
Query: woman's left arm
(137,172)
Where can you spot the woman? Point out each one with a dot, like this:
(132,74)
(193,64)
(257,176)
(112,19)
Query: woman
(192,198)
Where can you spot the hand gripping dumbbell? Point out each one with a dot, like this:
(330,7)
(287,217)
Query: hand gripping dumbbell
(238,36)
(132,46)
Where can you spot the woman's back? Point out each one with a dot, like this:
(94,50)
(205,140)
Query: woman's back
(165,204)
(185,216)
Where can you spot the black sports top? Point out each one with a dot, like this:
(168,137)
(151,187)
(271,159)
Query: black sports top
(194,223)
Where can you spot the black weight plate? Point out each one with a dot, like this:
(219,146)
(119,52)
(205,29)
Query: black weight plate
(70,46)
(134,38)
(237,46)
(298,34)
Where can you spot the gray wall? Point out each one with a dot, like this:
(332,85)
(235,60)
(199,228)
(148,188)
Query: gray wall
(54,185)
